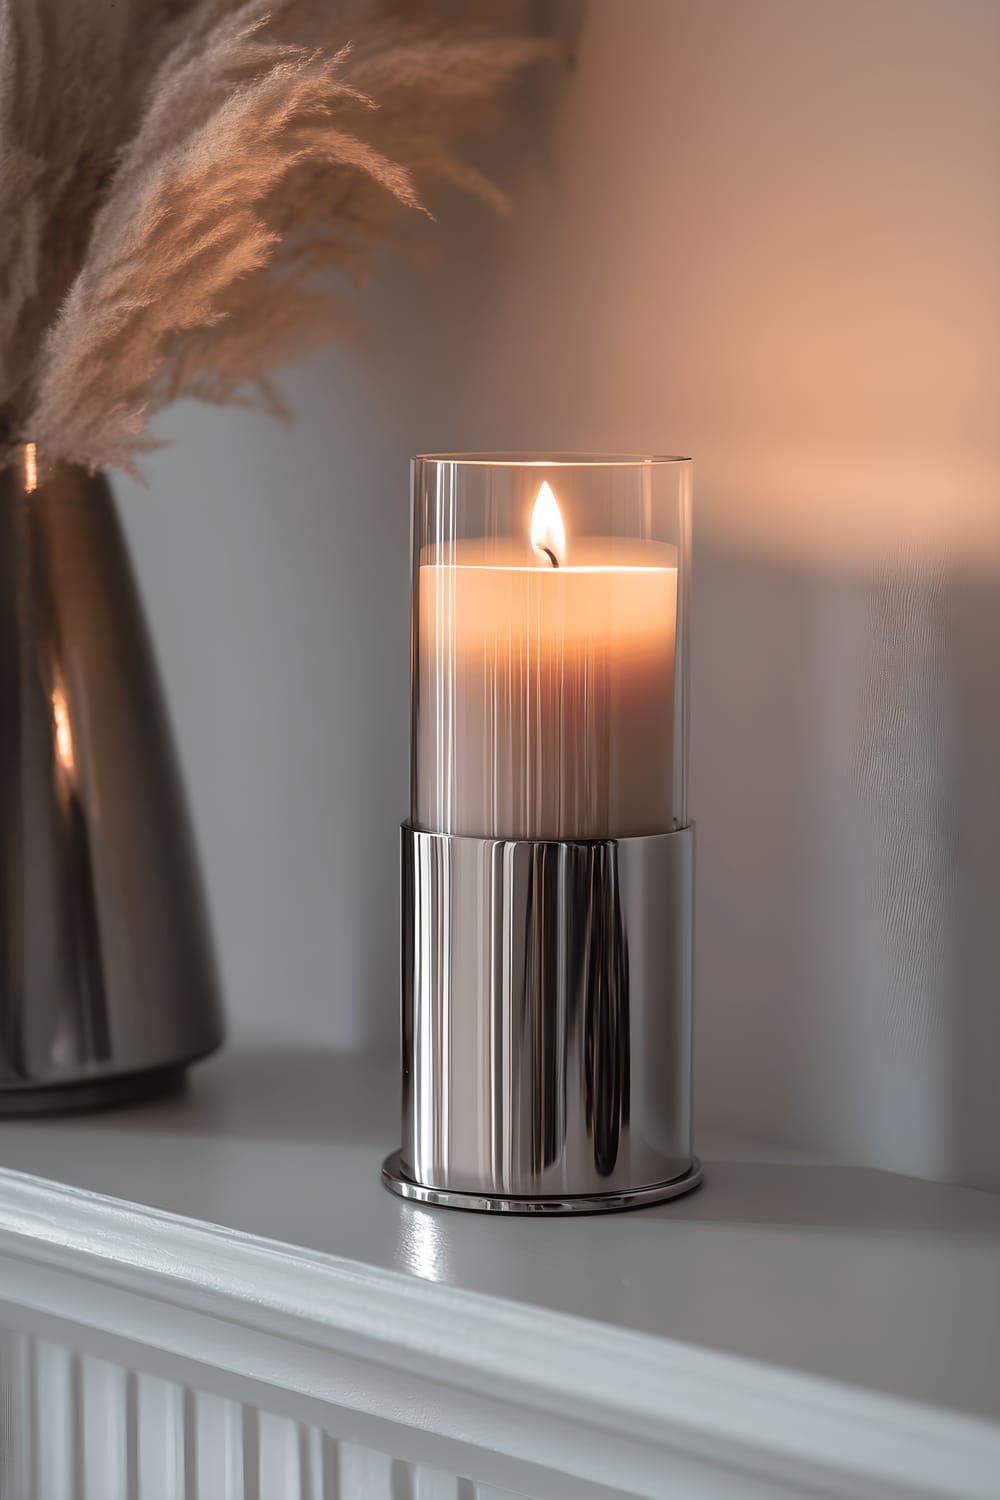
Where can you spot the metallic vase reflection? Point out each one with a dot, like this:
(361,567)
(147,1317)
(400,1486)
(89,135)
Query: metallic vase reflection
(107,981)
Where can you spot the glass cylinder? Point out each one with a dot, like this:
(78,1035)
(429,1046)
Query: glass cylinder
(549,668)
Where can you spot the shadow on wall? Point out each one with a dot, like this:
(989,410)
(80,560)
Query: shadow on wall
(769,236)
(849,859)
(930,782)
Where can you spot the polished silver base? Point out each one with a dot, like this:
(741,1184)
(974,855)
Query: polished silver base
(546,1022)
(491,1203)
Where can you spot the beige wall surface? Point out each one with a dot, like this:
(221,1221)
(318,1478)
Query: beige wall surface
(765,232)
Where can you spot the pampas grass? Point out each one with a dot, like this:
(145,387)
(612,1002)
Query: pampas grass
(178,179)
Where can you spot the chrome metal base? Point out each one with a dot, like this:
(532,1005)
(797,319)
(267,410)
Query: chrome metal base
(546,1022)
(397,1181)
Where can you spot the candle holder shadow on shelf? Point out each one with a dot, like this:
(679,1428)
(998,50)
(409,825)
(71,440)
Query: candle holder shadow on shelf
(107,982)
(547,866)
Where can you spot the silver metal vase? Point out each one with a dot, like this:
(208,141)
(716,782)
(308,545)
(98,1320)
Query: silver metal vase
(107,981)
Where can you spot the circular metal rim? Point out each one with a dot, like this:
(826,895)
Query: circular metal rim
(396,1180)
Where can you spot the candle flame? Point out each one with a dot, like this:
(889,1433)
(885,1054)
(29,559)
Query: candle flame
(548,534)
(30,468)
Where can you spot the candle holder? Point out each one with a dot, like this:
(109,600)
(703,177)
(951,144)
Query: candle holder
(547,865)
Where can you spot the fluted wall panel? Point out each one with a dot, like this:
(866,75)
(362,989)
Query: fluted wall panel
(76,1426)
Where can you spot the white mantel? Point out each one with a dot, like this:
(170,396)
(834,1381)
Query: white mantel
(222,1279)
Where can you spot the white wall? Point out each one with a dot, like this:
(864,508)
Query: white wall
(766,232)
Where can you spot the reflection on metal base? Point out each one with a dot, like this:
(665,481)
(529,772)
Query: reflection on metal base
(490,1203)
(546,1020)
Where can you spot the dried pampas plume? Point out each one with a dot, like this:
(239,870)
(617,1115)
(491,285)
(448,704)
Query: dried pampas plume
(177,178)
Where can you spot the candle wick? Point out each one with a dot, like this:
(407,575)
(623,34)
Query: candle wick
(550,555)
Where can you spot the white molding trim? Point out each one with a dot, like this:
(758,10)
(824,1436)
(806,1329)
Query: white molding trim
(566,1396)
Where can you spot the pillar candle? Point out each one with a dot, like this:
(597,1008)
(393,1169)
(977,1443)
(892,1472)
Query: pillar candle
(545,695)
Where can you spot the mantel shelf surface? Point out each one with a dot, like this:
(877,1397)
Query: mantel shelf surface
(866,1305)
